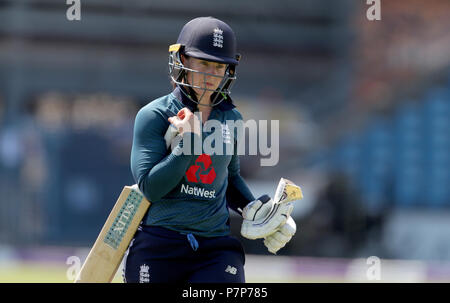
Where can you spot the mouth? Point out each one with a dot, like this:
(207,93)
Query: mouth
(209,84)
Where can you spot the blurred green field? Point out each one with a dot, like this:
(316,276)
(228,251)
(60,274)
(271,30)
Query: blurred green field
(38,273)
(35,272)
(51,273)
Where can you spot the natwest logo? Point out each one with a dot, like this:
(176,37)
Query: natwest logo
(202,171)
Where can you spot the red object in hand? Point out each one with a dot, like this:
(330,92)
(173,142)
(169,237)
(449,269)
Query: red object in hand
(182,113)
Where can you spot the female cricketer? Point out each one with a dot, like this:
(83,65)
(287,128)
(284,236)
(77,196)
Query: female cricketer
(185,235)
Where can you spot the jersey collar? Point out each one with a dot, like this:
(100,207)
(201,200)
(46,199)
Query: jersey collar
(225,105)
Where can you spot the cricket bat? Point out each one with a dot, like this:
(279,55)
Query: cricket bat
(106,255)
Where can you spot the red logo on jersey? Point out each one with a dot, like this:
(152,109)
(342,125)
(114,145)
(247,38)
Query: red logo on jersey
(202,171)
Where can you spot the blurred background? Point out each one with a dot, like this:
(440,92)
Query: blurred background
(363,107)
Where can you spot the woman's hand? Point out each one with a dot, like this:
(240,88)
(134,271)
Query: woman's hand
(185,121)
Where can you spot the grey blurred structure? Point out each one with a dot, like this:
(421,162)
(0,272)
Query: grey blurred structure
(49,64)
(363,112)
(121,47)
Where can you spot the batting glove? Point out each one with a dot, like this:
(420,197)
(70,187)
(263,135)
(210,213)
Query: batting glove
(263,217)
(281,237)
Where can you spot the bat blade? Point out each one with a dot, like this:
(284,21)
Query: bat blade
(287,191)
(106,255)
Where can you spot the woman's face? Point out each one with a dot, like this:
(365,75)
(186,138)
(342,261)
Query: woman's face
(204,81)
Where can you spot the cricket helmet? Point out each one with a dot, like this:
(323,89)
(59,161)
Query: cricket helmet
(210,39)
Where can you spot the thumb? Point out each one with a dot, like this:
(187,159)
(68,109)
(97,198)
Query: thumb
(173,119)
(258,209)
(289,228)
(250,210)
(265,209)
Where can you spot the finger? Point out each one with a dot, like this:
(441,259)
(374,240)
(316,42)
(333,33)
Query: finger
(289,228)
(187,115)
(269,228)
(274,242)
(173,120)
(184,112)
(272,249)
(259,208)
(250,210)
(181,113)
(266,208)
(272,246)
(187,110)
(287,209)
(280,237)
(186,118)
(276,222)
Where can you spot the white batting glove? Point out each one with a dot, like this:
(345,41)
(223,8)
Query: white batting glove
(263,217)
(281,237)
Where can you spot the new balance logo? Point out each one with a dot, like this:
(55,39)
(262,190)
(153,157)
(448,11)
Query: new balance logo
(230,269)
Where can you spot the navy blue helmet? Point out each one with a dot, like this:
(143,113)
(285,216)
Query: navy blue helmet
(210,39)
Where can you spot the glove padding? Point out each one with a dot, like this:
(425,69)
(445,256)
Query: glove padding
(281,237)
(263,217)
